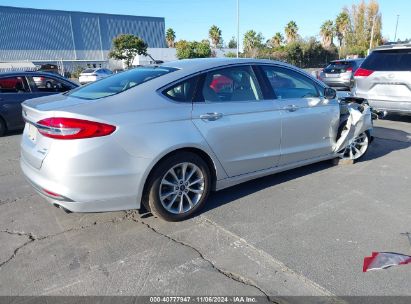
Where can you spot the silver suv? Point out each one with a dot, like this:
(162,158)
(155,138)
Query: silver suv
(384,78)
(339,73)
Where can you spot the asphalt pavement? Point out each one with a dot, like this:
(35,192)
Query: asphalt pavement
(301,232)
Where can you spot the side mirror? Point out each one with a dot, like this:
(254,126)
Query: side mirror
(329,93)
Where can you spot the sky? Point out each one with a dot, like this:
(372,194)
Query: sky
(191,19)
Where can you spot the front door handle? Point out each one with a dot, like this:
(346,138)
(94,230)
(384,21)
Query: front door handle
(211,116)
(291,108)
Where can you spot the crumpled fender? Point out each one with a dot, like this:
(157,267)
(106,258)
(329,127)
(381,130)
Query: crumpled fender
(359,121)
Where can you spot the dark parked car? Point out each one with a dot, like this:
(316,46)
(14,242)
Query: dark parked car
(339,73)
(16,87)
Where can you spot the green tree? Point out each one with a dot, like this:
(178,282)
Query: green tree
(363,17)
(215,35)
(295,54)
(77,71)
(230,55)
(327,33)
(232,44)
(126,47)
(170,37)
(342,25)
(291,31)
(194,49)
(277,40)
(252,42)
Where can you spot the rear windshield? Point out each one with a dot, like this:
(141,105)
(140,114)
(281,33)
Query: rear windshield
(388,60)
(341,65)
(88,70)
(119,82)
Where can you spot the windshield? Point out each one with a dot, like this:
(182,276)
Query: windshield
(119,82)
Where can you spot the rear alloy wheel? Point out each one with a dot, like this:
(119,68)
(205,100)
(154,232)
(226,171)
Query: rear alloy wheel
(356,148)
(179,187)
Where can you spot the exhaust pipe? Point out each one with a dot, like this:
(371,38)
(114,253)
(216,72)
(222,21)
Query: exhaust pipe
(62,208)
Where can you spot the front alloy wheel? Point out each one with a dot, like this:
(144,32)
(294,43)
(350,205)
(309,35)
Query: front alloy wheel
(356,148)
(178,187)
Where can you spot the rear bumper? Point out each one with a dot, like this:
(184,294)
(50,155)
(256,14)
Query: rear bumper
(87,189)
(391,106)
(337,82)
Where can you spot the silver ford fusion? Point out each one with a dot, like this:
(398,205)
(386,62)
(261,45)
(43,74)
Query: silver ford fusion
(164,136)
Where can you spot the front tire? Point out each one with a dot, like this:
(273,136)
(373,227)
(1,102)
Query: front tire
(179,186)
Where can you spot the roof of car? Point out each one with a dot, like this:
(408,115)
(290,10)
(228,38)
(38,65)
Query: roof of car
(26,73)
(393,46)
(200,64)
(350,59)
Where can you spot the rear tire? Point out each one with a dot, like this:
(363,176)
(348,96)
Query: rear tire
(178,187)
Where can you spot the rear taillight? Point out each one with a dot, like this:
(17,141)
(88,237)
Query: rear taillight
(349,70)
(72,128)
(363,72)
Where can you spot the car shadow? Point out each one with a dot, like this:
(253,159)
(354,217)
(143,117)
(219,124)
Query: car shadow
(378,148)
(12,133)
(222,197)
(401,118)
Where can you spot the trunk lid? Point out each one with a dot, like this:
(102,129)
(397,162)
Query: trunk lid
(34,146)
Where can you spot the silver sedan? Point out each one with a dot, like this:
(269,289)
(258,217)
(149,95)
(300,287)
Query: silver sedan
(164,136)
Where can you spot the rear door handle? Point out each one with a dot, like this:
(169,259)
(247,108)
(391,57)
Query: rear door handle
(291,108)
(211,116)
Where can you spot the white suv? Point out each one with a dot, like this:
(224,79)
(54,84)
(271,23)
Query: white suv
(384,78)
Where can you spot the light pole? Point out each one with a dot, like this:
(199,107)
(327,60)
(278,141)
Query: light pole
(238,28)
(396,28)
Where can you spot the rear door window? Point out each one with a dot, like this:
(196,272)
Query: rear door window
(388,60)
(14,85)
(49,84)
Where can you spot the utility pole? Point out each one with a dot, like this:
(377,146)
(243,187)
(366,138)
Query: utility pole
(238,28)
(396,28)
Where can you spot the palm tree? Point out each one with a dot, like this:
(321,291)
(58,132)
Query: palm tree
(252,42)
(215,35)
(277,40)
(342,24)
(291,31)
(327,33)
(170,37)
